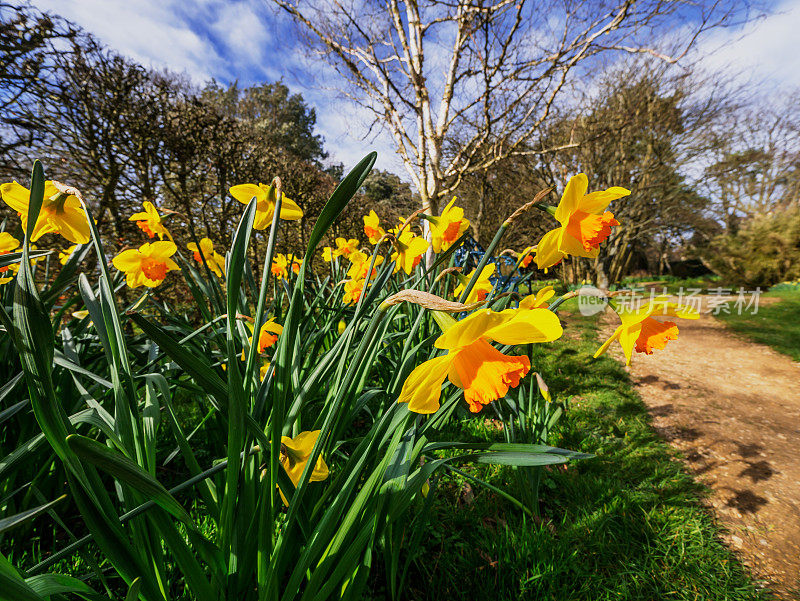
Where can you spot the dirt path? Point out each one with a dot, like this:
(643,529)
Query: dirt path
(733,408)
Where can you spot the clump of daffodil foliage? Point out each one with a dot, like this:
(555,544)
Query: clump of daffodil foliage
(320,399)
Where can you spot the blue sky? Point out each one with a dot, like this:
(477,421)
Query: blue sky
(246,40)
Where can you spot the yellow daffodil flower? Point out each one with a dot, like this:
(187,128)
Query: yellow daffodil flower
(352,291)
(327,254)
(268,334)
(147,265)
(83,314)
(447,227)
(262,372)
(279,267)
(372,227)
(538,300)
(295,453)
(408,251)
(526,257)
(585,223)
(214,260)
(61,213)
(345,247)
(472,363)
(7,244)
(294,262)
(359,264)
(481,288)
(149,221)
(340,327)
(266,197)
(640,332)
(64,255)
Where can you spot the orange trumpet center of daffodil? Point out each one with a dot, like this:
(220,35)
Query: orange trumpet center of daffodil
(452,232)
(655,335)
(485,374)
(145,227)
(154,269)
(268,334)
(266,340)
(591,230)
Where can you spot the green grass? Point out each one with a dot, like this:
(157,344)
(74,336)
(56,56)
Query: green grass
(776,324)
(627,524)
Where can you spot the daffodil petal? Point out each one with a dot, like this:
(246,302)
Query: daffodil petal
(73,224)
(604,347)
(527,326)
(627,339)
(244,193)
(547,252)
(574,191)
(16,196)
(596,202)
(474,326)
(127,260)
(423,387)
(303,443)
(289,210)
(162,249)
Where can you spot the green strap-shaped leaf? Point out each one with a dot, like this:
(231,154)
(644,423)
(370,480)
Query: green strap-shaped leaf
(14,520)
(133,590)
(196,366)
(11,258)
(12,586)
(129,472)
(58,584)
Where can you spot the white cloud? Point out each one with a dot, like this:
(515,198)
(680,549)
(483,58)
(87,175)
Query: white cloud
(148,31)
(246,37)
(345,125)
(763,51)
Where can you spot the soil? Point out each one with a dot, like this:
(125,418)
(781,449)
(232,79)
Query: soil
(732,407)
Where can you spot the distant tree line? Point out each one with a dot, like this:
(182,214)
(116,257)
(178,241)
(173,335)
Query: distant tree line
(124,134)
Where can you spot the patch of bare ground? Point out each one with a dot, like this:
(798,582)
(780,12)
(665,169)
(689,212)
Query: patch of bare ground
(732,407)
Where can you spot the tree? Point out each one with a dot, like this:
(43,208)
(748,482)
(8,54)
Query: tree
(488,72)
(125,134)
(26,38)
(755,168)
(281,119)
(388,190)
